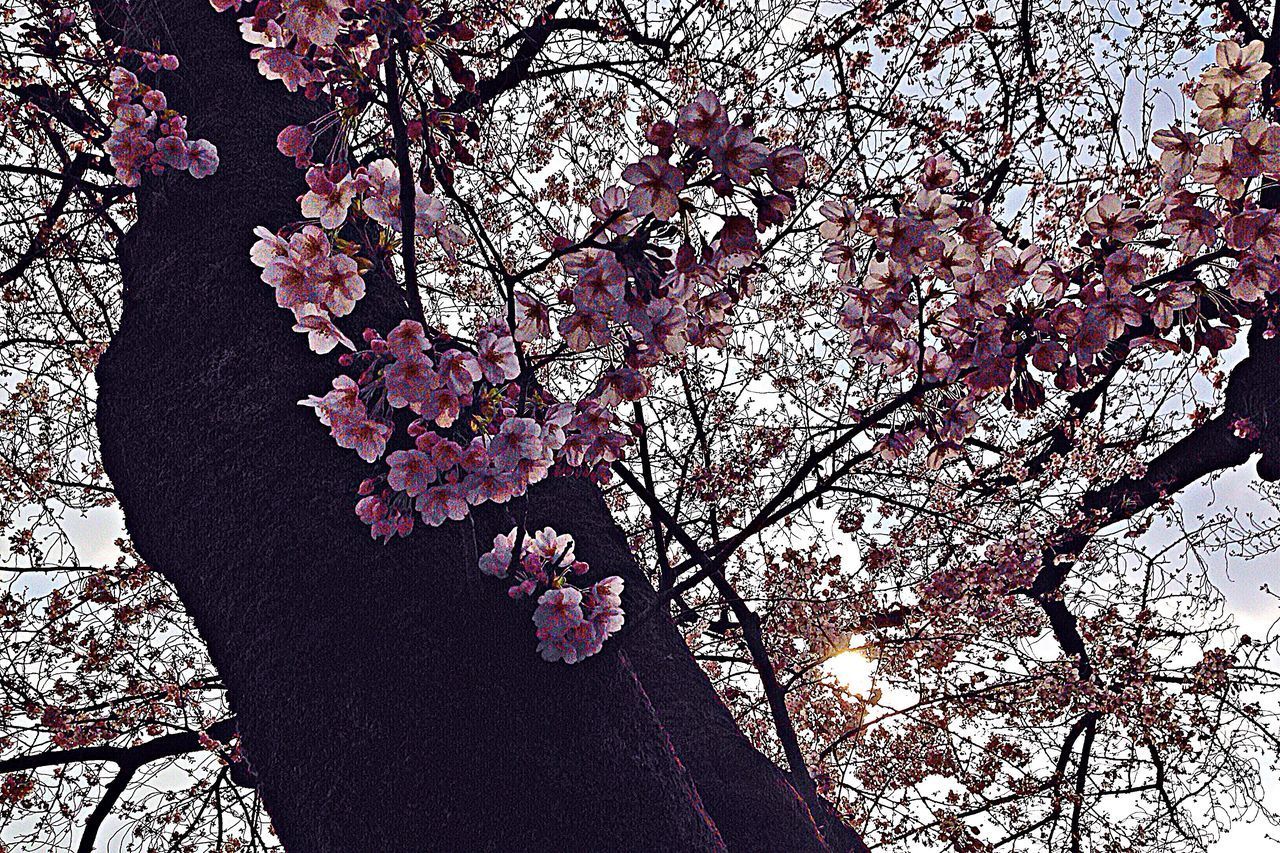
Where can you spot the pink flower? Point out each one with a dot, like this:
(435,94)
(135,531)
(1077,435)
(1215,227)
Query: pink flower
(382,202)
(497,357)
(533,320)
(1219,166)
(787,167)
(322,334)
(491,484)
(1255,230)
(123,82)
(1178,150)
(476,456)
(1110,219)
(326,200)
(410,381)
(736,155)
(270,247)
(939,172)
(445,454)
(1124,270)
(657,185)
(611,207)
(295,141)
(517,439)
(1174,297)
(340,282)
(1224,104)
(583,329)
(551,546)
(317,21)
(442,503)
(368,438)
(497,561)
(204,158)
(371,509)
(605,593)
(558,610)
(412,471)
(600,285)
(1260,140)
(173,151)
(1235,65)
(277,63)
(459,370)
(408,340)
(1193,225)
(1252,279)
(443,405)
(702,120)
(342,403)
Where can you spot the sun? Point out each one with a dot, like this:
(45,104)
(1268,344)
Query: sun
(853,669)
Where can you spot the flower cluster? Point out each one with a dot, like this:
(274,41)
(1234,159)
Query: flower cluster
(312,277)
(335,48)
(478,436)
(319,277)
(629,288)
(572,623)
(946,299)
(147,136)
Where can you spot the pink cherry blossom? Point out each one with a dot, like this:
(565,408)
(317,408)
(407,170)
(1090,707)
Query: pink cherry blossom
(442,503)
(459,370)
(517,439)
(295,141)
(496,562)
(1236,65)
(408,340)
(1110,219)
(786,167)
(276,63)
(412,471)
(317,21)
(367,437)
(173,151)
(322,334)
(1224,104)
(657,185)
(735,154)
(204,158)
(703,120)
(327,200)
(410,380)
(497,357)
(533,320)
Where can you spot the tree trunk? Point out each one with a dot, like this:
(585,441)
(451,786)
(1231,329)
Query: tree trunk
(389,697)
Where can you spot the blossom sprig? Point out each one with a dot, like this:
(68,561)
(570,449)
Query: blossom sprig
(478,435)
(147,136)
(572,623)
(334,49)
(320,277)
(652,294)
(947,300)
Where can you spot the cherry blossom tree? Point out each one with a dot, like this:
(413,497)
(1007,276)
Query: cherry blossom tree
(517,410)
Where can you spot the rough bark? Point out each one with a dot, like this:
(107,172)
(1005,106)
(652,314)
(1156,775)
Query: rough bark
(389,697)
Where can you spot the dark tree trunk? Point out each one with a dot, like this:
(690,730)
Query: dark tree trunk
(389,697)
